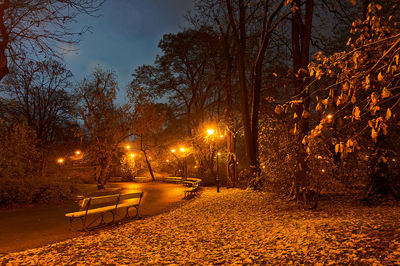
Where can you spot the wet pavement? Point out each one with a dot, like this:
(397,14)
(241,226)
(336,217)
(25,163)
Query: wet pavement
(36,226)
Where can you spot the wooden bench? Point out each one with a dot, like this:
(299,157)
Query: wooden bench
(193,189)
(104,204)
(173,179)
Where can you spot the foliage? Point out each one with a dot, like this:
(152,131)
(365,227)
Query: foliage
(14,191)
(364,98)
(128,165)
(19,157)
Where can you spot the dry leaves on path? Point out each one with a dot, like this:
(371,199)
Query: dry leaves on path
(237,227)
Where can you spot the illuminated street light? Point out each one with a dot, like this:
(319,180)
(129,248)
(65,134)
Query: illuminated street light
(221,136)
(182,149)
(60,160)
(329,116)
(77,152)
(173,150)
(132,155)
(127,147)
(210,131)
(167,161)
(219,153)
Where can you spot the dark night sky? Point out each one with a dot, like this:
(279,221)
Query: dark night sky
(126,36)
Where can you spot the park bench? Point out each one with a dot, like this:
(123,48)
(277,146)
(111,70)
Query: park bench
(173,179)
(101,205)
(193,188)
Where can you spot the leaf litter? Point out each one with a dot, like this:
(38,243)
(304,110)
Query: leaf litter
(237,227)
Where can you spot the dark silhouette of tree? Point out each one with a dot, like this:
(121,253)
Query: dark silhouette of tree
(105,125)
(37,29)
(262,17)
(36,94)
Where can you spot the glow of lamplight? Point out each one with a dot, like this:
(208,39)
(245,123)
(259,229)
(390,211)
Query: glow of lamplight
(210,131)
(60,161)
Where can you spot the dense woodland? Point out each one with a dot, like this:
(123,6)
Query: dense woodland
(302,96)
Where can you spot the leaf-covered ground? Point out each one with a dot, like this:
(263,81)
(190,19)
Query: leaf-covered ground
(238,227)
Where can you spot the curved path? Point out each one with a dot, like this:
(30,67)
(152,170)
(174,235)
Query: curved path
(40,225)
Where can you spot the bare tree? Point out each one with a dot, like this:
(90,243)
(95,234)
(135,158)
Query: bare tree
(104,124)
(36,94)
(265,16)
(38,29)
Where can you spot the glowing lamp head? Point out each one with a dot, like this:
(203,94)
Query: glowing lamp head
(167,161)
(132,155)
(182,149)
(323,170)
(221,136)
(219,153)
(329,116)
(127,147)
(77,152)
(210,131)
(60,160)
(173,150)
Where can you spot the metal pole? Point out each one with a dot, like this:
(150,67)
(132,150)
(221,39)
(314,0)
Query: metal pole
(217,176)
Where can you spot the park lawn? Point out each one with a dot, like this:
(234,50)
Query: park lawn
(239,226)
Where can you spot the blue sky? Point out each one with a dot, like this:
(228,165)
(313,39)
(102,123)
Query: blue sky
(126,36)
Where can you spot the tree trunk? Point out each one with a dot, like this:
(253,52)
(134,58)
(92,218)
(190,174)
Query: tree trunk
(4,40)
(380,183)
(231,174)
(101,172)
(147,160)
(148,165)
(240,39)
(301,36)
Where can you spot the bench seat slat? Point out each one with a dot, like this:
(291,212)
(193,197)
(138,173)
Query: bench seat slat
(91,211)
(128,204)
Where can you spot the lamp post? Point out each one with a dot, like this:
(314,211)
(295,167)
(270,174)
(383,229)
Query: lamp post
(217,176)
(210,133)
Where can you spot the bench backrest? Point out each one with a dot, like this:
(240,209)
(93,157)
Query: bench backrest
(128,196)
(102,200)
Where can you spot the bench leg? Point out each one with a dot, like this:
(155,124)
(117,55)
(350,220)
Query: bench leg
(137,212)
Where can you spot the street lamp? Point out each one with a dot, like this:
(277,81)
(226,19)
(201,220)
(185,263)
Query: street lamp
(60,160)
(210,133)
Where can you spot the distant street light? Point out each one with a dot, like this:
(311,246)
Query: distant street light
(127,147)
(132,155)
(210,131)
(77,152)
(173,150)
(60,161)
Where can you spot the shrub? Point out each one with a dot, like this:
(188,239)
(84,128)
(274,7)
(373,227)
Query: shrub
(28,191)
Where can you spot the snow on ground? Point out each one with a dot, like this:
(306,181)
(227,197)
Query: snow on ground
(237,227)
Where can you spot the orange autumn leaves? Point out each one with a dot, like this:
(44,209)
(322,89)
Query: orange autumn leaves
(364,83)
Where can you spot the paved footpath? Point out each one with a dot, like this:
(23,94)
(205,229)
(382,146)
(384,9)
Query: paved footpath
(33,227)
